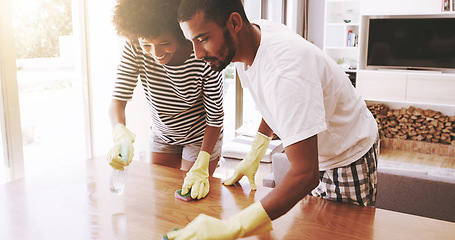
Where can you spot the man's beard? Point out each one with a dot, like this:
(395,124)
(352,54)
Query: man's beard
(229,52)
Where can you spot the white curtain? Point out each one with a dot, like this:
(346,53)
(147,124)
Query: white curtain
(293,13)
(297,16)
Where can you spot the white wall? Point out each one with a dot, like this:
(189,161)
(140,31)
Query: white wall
(104,56)
(316,22)
(370,7)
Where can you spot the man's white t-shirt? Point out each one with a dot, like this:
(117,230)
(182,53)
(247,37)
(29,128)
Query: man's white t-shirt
(301,92)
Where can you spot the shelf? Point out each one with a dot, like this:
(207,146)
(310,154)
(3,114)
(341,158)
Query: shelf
(342,24)
(338,11)
(342,48)
(341,38)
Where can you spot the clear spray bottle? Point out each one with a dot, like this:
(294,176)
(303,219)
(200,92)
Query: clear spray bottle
(118,177)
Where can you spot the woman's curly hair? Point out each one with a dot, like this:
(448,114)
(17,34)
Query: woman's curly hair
(149,19)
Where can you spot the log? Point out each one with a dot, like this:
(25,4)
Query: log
(414,123)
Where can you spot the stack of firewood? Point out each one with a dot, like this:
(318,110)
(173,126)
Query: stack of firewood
(414,124)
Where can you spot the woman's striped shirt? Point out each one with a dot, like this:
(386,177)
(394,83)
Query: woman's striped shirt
(182,99)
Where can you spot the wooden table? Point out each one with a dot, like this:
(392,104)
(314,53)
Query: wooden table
(75,203)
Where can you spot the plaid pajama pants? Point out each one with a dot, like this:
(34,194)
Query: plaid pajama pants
(355,183)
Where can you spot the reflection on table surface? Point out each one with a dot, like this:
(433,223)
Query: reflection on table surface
(75,203)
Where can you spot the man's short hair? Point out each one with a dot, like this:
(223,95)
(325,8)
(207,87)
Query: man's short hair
(217,11)
(147,18)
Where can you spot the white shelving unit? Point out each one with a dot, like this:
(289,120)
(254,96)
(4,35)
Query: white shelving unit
(341,31)
(432,89)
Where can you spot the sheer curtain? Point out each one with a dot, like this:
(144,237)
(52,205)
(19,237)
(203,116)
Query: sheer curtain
(297,16)
(293,13)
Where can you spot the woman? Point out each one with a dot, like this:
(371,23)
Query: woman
(183,94)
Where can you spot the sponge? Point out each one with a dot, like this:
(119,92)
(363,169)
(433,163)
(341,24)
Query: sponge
(186,197)
(165,236)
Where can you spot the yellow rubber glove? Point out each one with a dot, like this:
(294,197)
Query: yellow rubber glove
(123,145)
(250,164)
(252,220)
(197,179)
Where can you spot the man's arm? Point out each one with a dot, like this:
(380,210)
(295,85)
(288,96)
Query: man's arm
(256,218)
(265,129)
(303,176)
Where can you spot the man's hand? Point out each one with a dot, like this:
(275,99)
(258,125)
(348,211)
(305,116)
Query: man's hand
(250,164)
(253,220)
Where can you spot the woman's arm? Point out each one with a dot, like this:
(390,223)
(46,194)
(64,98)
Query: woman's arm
(211,136)
(117,112)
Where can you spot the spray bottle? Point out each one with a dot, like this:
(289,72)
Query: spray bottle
(118,177)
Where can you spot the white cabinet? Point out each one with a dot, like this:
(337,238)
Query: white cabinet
(407,86)
(438,89)
(378,85)
(341,31)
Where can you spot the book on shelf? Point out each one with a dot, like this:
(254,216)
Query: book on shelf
(448,5)
(351,39)
(445,4)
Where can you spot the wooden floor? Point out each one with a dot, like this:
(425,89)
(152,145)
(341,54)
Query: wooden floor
(417,158)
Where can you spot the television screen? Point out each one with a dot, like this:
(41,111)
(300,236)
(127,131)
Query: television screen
(411,42)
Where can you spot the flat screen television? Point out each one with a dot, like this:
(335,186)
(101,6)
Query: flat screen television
(412,42)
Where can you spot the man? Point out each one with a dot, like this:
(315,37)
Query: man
(329,135)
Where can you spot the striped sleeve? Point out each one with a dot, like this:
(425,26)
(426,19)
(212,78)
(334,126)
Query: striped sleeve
(213,97)
(127,73)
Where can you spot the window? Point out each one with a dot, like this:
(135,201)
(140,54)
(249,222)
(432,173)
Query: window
(45,106)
